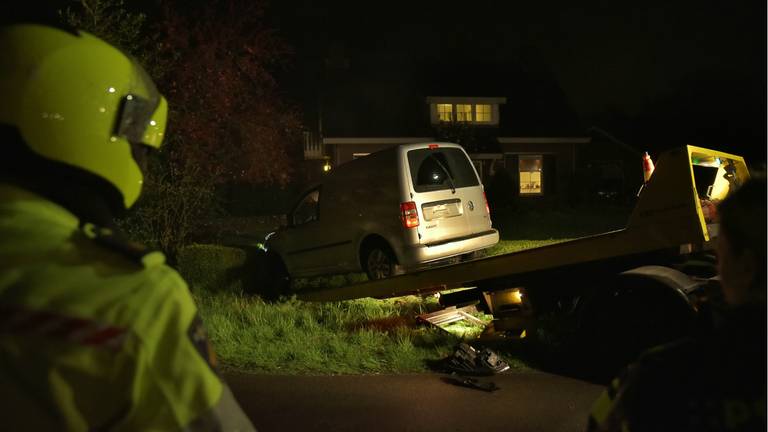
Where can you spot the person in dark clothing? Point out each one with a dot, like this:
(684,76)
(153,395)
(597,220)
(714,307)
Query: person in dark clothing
(500,189)
(715,381)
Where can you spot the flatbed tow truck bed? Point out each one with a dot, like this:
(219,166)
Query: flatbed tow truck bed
(668,218)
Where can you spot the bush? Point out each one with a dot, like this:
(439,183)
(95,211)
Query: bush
(175,202)
(212,268)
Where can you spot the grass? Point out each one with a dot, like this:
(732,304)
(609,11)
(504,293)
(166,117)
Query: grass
(211,268)
(510,246)
(364,336)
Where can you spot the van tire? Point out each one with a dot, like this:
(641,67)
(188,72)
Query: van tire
(276,281)
(379,262)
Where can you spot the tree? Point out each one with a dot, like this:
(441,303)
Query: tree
(226,99)
(123,28)
(458,132)
(109,20)
(227,121)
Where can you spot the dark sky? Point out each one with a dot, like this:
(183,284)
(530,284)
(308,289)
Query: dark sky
(653,74)
(675,72)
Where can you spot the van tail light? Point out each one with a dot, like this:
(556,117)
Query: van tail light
(487,209)
(409,215)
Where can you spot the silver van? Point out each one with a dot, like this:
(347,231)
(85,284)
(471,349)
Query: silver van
(394,210)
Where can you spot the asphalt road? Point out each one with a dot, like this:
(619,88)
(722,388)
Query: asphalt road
(526,401)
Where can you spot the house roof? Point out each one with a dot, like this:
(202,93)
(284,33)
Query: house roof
(396,103)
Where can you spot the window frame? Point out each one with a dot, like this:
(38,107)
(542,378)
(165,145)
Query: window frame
(292,214)
(470,116)
(462,176)
(464,112)
(520,158)
(489,113)
(450,112)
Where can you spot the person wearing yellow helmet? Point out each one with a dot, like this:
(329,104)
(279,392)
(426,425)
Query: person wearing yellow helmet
(96,332)
(76,101)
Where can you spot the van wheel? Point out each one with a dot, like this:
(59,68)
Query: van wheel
(276,282)
(379,263)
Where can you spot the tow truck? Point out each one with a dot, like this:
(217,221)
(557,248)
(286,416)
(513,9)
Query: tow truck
(618,292)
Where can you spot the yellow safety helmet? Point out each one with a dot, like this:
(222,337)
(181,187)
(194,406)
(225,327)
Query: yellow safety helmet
(76,99)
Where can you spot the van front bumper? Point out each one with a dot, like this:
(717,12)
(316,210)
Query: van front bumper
(418,255)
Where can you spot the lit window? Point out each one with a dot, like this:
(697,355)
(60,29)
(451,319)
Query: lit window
(530,175)
(482,113)
(463,112)
(445,112)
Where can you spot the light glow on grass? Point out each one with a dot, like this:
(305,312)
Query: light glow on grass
(510,246)
(363,336)
(329,338)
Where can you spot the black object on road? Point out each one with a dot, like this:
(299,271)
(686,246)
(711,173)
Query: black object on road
(473,383)
(466,360)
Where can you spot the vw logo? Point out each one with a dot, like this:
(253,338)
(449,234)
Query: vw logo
(471,206)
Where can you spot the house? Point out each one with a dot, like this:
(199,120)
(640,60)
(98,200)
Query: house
(514,120)
(542,169)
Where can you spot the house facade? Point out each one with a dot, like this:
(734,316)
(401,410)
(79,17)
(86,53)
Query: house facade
(537,169)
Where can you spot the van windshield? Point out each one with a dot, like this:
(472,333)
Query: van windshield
(440,168)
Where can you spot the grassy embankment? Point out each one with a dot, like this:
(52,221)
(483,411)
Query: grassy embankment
(358,336)
(293,337)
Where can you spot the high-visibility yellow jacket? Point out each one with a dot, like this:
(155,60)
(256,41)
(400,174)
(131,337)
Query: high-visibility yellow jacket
(96,334)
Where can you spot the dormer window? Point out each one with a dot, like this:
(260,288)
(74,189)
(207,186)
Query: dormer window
(473,110)
(464,112)
(445,112)
(483,113)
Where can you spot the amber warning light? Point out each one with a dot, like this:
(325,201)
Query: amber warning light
(409,215)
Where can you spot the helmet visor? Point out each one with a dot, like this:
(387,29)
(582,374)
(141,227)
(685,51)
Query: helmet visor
(142,119)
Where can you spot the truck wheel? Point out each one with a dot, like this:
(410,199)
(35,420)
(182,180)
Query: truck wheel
(631,313)
(379,263)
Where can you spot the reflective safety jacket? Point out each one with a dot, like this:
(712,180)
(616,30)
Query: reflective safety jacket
(97,334)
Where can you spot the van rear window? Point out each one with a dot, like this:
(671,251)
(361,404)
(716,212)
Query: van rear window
(442,168)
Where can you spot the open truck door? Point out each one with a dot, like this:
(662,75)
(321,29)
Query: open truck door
(676,204)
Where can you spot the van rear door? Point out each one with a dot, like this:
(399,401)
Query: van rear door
(447,193)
